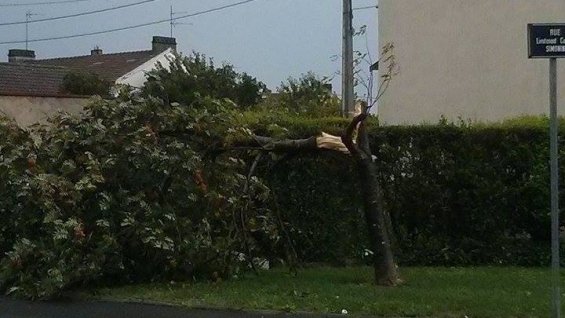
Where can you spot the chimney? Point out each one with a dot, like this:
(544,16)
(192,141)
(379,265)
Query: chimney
(19,56)
(96,51)
(161,43)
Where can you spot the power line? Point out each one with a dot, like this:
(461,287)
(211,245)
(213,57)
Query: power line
(78,14)
(40,3)
(132,26)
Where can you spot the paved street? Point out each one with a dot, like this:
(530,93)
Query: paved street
(25,309)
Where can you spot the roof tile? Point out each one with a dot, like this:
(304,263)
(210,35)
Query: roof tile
(45,77)
(24,79)
(107,66)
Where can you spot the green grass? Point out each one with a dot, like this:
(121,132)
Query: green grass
(427,292)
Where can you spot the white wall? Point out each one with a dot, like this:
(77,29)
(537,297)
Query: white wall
(30,110)
(466,58)
(137,77)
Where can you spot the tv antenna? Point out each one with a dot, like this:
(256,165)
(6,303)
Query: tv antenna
(29,15)
(173,21)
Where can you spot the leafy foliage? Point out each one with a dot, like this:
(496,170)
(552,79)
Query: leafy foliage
(472,195)
(127,193)
(189,77)
(457,194)
(136,190)
(309,95)
(132,192)
(84,83)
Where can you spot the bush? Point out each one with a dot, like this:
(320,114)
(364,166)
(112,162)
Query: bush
(136,191)
(84,83)
(189,77)
(466,196)
(308,96)
(127,193)
(457,195)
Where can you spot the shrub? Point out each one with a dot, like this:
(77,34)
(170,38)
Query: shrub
(126,194)
(136,191)
(308,96)
(457,195)
(189,77)
(84,83)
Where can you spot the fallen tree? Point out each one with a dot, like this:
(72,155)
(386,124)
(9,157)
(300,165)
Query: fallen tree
(127,193)
(354,142)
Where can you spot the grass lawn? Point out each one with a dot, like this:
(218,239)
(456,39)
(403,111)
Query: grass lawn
(427,292)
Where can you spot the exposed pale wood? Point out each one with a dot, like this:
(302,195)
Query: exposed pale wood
(331,142)
(354,142)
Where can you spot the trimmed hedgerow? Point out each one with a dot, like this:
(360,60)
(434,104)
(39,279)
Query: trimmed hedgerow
(134,192)
(457,194)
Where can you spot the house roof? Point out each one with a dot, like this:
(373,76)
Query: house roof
(106,66)
(25,76)
(25,79)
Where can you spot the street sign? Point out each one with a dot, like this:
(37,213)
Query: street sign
(546,40)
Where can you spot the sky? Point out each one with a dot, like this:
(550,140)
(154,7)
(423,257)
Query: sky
(269,39)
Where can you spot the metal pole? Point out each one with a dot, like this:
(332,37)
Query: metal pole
(28,16)
(554,138)
(172,23)
(347,95)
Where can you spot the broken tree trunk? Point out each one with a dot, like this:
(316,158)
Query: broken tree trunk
(324,141)
(386,273)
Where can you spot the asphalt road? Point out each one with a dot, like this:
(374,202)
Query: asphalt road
(71,309)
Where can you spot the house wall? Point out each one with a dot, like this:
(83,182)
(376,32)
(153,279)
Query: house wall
(138,76)
(29,110)
(468,59)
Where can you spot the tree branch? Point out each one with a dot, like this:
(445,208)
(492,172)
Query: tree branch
(285,145)
(314,143)
(347,137)
(252,172)
(242,215)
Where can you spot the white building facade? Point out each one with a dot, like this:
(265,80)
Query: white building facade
(466,59)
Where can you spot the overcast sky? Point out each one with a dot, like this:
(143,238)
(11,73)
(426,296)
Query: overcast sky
(269,39)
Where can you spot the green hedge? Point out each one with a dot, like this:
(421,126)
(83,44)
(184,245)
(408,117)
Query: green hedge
(457,195)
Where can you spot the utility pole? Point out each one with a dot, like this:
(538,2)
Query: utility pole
(347,92)
(172,20)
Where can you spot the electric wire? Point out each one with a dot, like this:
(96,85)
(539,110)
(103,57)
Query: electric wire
(29,4)
(78,14)
(131,26)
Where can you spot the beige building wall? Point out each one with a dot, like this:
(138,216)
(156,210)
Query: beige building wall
(466,58)
(30,110)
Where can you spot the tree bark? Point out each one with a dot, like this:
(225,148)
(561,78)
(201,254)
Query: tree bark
(386,273)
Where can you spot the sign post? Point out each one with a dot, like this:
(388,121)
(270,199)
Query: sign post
(548,41)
